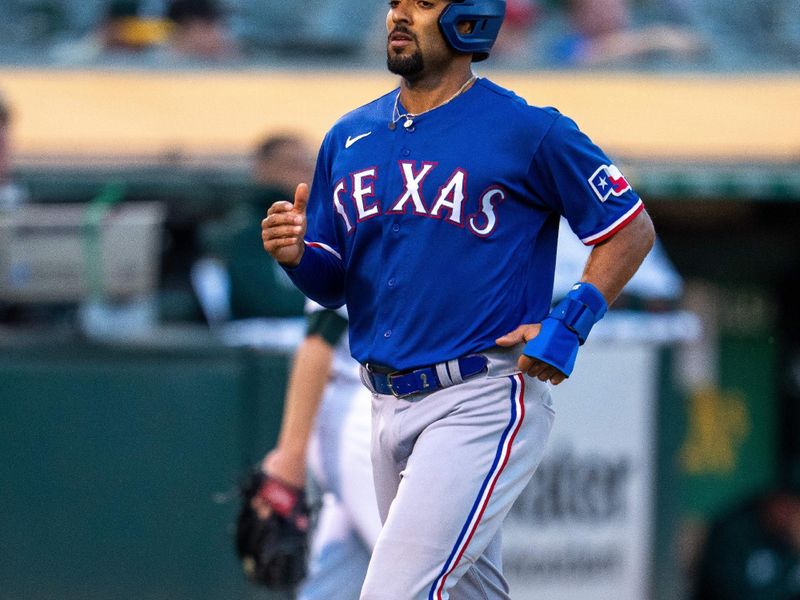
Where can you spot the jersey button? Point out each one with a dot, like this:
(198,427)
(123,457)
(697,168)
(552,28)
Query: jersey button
(387,333)
(395,227)
(406,152)
(392,282)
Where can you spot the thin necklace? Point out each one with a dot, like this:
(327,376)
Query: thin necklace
(409,117)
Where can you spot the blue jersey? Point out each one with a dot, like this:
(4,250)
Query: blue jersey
(441,237)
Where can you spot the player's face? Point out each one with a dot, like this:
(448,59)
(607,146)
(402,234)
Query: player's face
(415,44)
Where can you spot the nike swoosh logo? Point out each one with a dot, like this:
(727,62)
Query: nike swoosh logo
(352,140)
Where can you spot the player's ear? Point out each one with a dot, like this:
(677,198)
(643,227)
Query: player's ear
(466,27)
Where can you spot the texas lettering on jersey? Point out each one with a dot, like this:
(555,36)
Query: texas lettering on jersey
(354,199)
(476,185)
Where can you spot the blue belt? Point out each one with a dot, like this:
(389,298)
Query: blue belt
(424,380)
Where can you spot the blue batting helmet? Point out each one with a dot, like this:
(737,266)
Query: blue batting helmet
(486,17)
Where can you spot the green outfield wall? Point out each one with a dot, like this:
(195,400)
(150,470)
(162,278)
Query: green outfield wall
(119,464)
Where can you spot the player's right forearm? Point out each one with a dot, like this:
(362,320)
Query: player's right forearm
(320,276)
(307,380)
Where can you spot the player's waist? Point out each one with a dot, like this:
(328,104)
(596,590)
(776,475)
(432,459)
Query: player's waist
(426,379)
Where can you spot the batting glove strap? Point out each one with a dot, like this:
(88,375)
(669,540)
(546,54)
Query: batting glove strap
(556,345)
(580,309)
(567,327)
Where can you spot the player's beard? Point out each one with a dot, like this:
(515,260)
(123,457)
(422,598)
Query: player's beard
(408,67)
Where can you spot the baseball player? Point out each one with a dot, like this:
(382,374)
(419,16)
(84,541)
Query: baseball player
(434,215)
(326,425)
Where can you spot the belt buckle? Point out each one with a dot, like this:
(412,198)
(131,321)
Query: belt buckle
(371,374)
(396,393)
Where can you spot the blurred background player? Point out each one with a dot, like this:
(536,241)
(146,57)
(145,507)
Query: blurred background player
(259,288)
(11,193)
(12,196)
(326,426)
(280,159)
(325,431)
(752,552)
(231,279)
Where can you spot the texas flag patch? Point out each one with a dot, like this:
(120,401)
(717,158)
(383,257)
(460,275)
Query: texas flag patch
(608,181)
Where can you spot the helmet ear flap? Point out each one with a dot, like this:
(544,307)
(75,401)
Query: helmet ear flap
(486,17)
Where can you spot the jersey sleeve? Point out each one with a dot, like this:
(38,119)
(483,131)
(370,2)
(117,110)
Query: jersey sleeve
(329,324)
(320,274)
(583,184)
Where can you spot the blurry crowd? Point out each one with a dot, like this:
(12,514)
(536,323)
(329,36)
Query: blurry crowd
(182,30)
(649,34)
